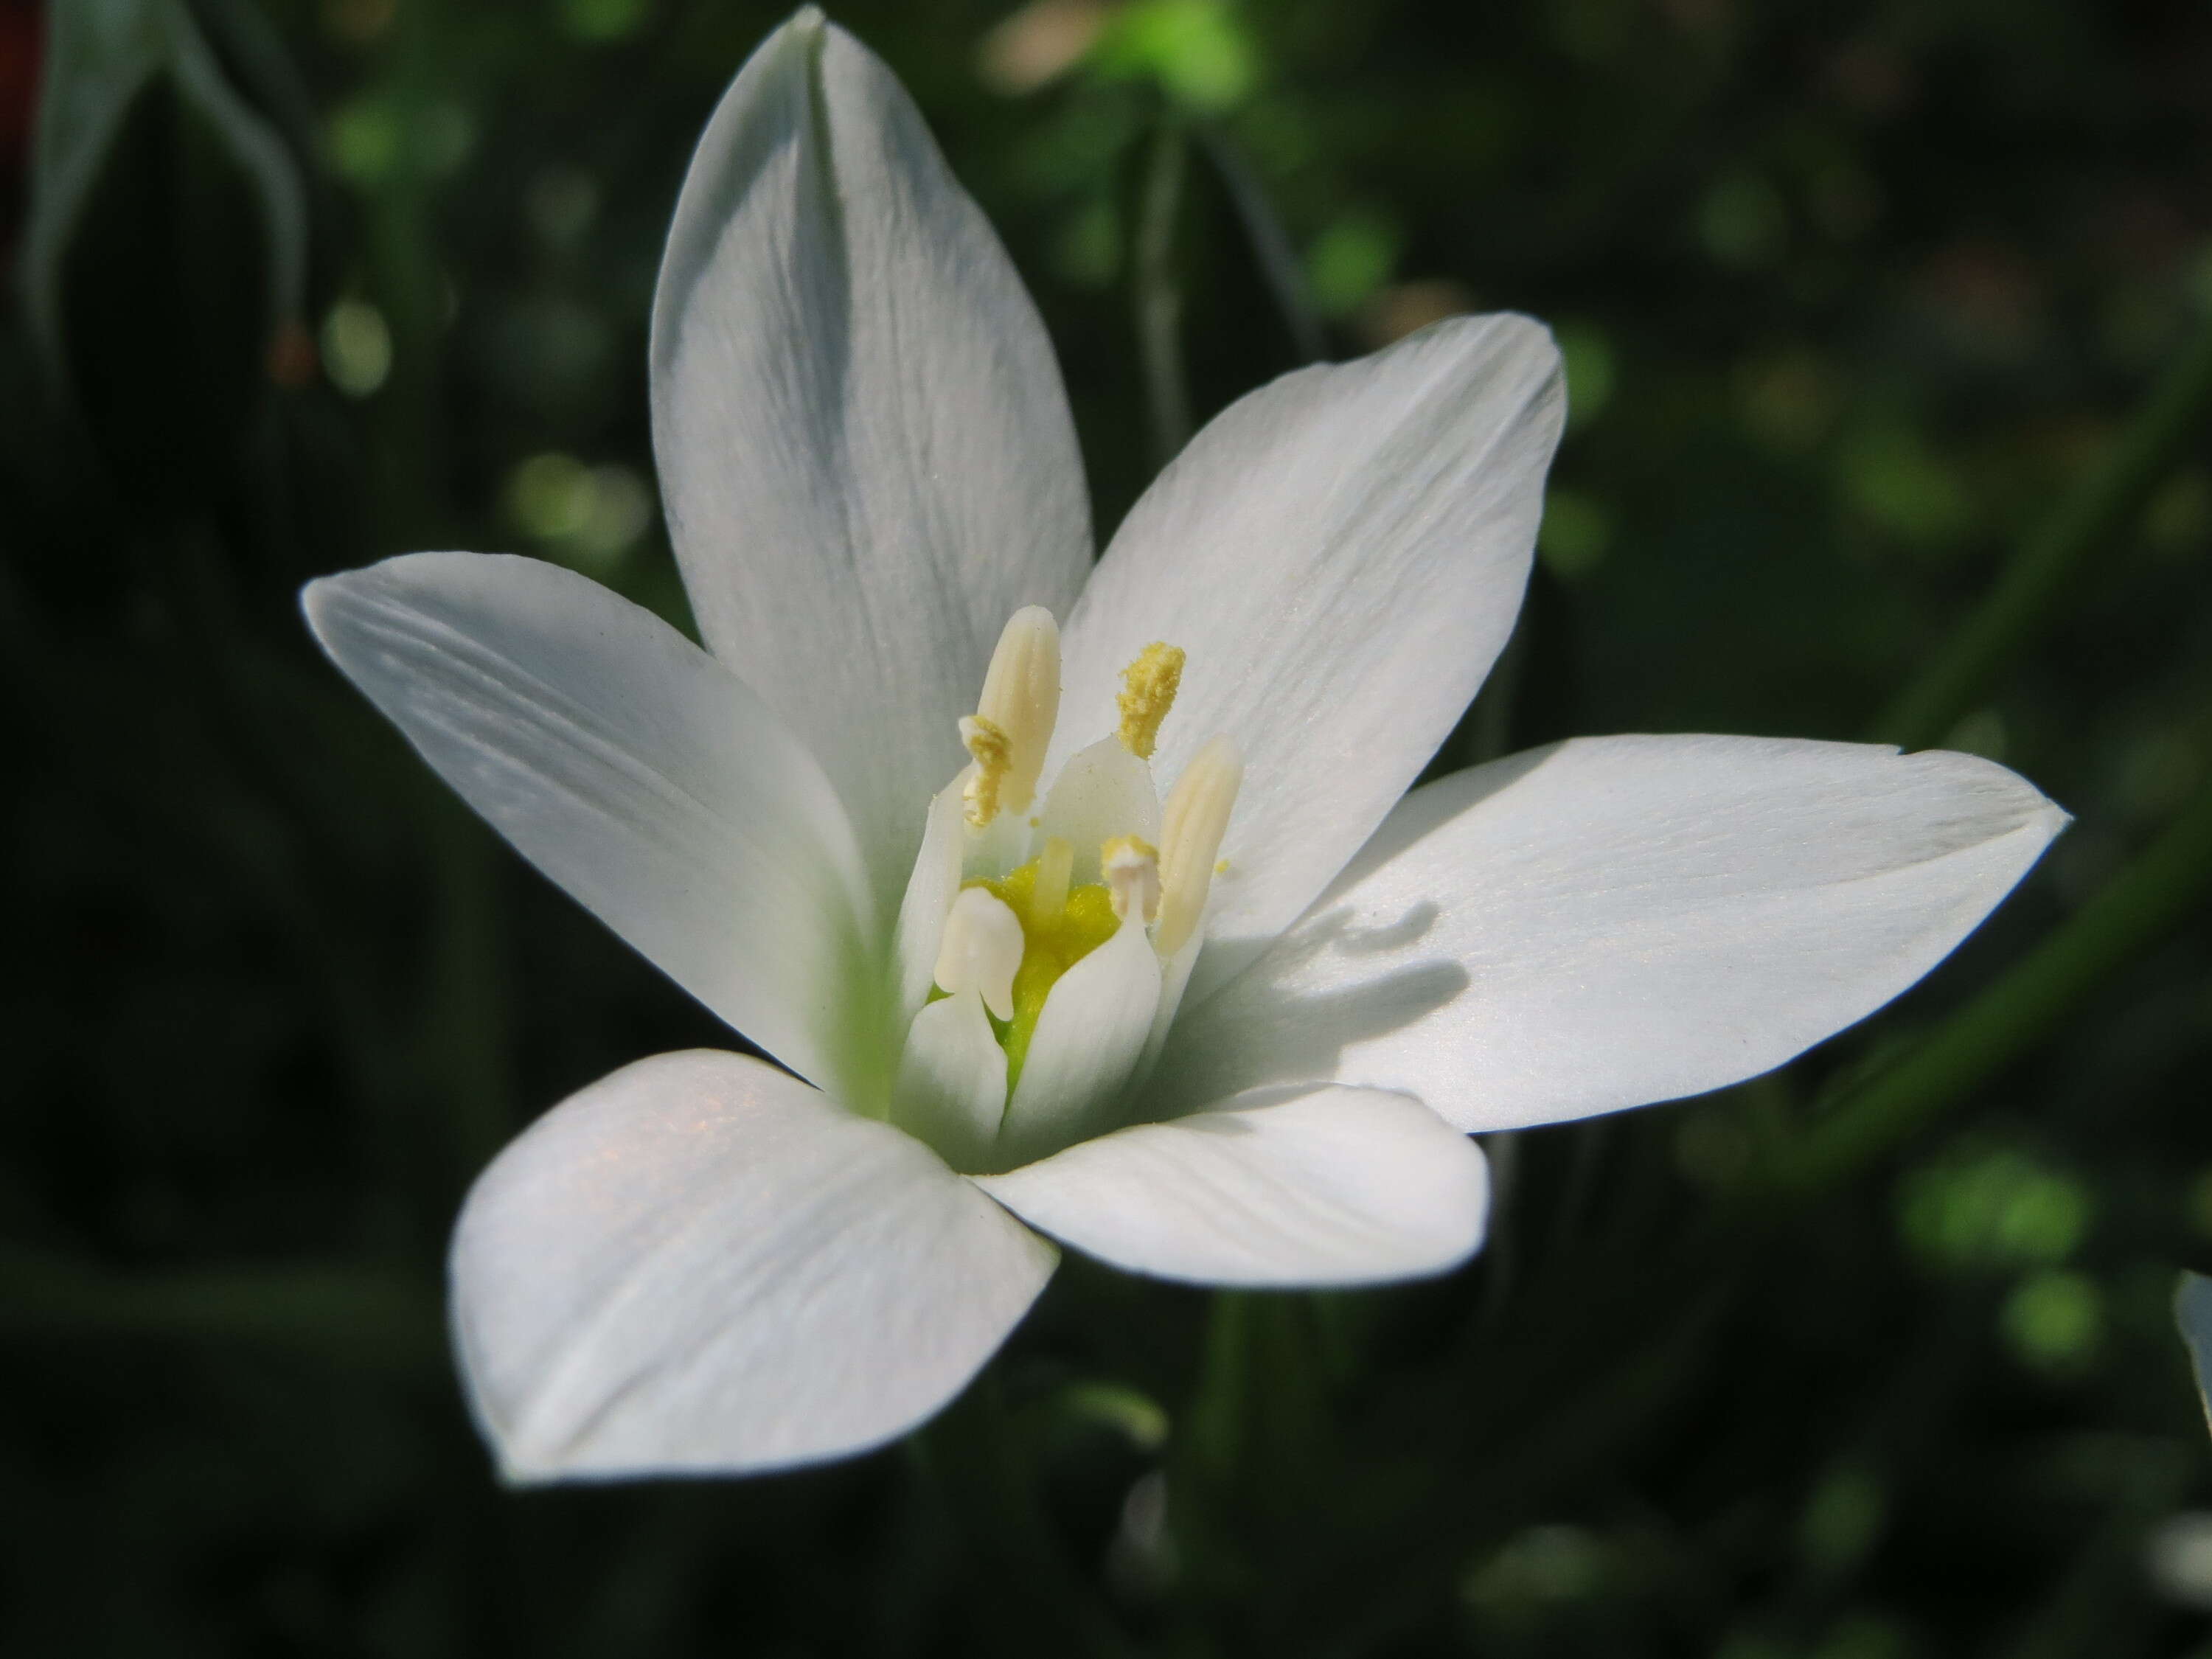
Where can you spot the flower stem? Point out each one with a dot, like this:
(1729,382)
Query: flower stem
(2153,895)
(1158,291)
(466,1017)
(2029,594)
(970,1454)
(1271,244)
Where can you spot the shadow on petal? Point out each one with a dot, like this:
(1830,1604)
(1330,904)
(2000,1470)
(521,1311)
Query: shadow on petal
(1309,1031)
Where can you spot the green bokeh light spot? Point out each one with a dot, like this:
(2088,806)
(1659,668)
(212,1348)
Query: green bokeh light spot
(1587,356)
(1199,51)
(1890,475)
(1351,260)
(1993,1210)
(1842,1520)
(1576,535)
(603,20)
(366,139)
(2054,1321)
(1743,223)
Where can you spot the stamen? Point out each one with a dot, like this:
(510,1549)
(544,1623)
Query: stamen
(1191,827)
(1055,865)
(980,949)
(1012,726)
(1148,692)
(1132,867)
(993,750)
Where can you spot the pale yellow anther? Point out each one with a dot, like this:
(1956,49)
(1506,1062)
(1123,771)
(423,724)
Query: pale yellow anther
(1148,692)
(1192,823)
(1012,726)
(1132,867)
(980,949)
(1055,867)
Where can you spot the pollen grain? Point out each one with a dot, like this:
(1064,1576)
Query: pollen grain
(1148,692)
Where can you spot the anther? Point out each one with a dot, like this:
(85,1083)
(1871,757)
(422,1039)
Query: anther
(980,949)
(1148,692)
(1012,726)
(993,752)
(1132,868)
(1191,827)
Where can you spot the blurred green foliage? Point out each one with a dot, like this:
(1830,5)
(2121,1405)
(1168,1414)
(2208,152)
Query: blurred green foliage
(1859,299)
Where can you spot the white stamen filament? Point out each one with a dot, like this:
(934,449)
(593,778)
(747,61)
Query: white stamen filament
(980,948)
(1132,868)
(1014,717)
(1192,823)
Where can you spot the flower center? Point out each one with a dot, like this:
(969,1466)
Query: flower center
(1061,925)
(1065,929)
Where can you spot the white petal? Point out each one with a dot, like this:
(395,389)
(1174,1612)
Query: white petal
(1615,920)
(1103,792)
(635,771)
(1175,982)
(2193,1308)
(863,442)
(931,887)
(701,1265)
(1335,1187)
(1088,1041)
(951,1090)
(1342,554)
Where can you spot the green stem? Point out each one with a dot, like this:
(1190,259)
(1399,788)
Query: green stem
(1270,245)
(2028,595)
(969,1452)
(1158,294)
(2153,895)
(465,1022)
(352,1316)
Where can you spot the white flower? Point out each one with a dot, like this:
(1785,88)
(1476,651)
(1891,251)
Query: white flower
(1250,1028)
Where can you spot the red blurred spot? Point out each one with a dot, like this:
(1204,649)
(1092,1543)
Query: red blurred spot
(292,360)
(22,37)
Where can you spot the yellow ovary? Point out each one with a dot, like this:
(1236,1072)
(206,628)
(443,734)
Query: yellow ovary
(1052,942)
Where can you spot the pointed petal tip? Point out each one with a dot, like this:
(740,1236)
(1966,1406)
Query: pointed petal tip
(315,598)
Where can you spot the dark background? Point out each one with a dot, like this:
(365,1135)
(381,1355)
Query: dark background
(1858,300)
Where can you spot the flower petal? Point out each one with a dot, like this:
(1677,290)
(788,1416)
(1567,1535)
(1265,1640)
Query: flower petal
(932,885)
(2192,1309)
(1088,1041)
(951,1091)
(1342,554)
(863,442)
(632,768)
(701,1265)
(1614,921)
(1332,1187)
